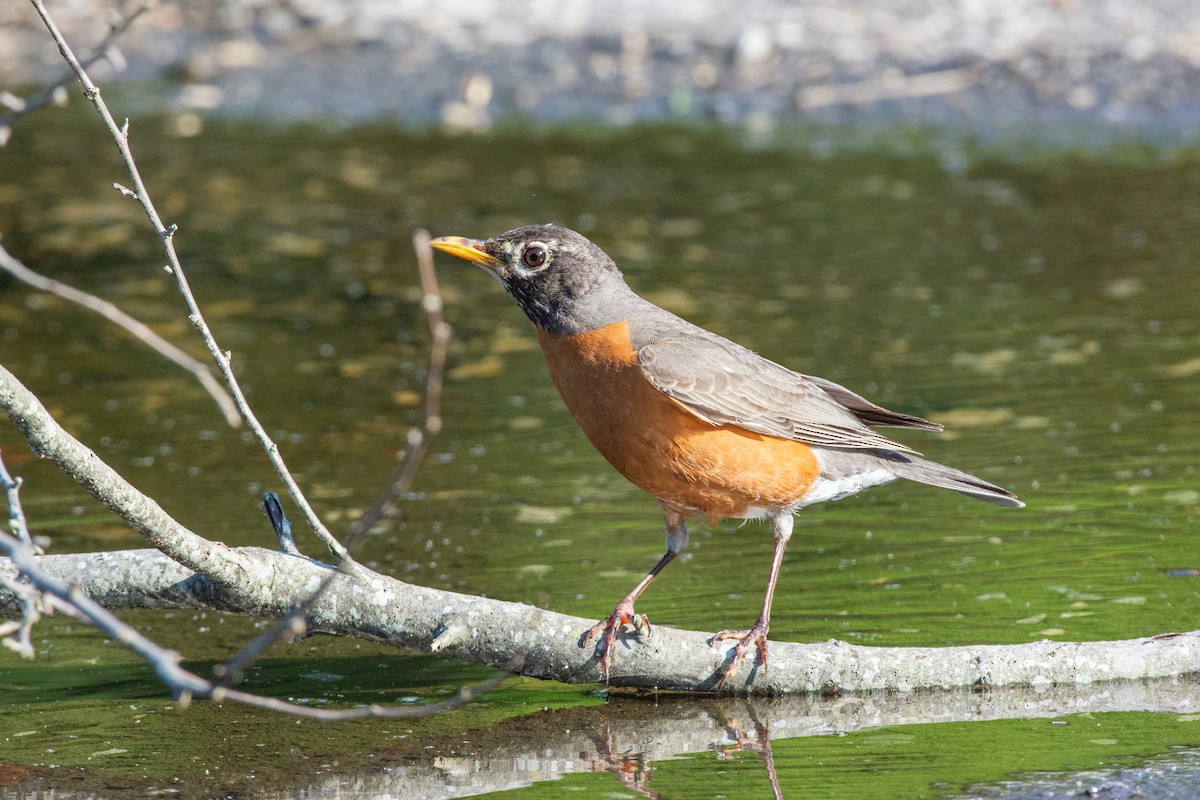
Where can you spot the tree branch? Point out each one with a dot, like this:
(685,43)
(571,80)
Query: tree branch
(374,606)
(496,632)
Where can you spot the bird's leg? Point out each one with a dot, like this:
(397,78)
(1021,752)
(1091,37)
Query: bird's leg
(781,527)
(624,615)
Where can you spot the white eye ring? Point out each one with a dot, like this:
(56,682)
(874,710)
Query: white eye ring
(535,256)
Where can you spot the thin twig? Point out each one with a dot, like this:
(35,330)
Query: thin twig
(16,515)
(293,624)
(140,330)
(431,422)
(17,635)
(165,234)
(186,685)
(56,94)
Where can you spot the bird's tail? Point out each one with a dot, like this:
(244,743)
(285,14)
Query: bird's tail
(918,469)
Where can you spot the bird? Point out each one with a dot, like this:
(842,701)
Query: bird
(706,426)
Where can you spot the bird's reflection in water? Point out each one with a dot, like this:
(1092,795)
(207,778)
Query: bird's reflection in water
(634,770)
(629,737)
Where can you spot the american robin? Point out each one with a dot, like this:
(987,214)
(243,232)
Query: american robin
(706,426)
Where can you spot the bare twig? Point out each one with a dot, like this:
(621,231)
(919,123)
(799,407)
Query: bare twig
(431,422)
(143,332)
(293,623)
(16,515)
(186,685)
(227,569)
(16,634)
(223,360)
(56,94)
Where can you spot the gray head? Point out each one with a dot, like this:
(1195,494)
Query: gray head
(562,281)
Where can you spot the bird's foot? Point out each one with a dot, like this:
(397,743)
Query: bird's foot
(623,618)
(755,636)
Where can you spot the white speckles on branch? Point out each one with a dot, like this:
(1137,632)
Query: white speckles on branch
(382,597)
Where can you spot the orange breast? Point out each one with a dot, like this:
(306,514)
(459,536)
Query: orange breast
(688,464)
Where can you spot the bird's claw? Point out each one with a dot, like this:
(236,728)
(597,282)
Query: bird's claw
(755,636)
(623,618)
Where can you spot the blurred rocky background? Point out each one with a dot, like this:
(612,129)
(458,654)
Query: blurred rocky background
(989,66)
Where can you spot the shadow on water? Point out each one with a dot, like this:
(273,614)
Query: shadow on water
(1042,306)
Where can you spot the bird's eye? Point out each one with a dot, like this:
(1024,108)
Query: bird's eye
(534,255)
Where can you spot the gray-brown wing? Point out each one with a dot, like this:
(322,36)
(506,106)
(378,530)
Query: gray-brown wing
(726,384)
(869,413)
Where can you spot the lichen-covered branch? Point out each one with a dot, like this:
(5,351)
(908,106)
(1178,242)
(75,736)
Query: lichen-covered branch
(497,632)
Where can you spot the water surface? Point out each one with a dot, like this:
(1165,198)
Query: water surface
(1041,305)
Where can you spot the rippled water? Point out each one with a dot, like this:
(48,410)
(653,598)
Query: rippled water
(1041,305)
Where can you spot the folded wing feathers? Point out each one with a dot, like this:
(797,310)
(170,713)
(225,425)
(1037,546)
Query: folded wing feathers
(726,384)
(868,412)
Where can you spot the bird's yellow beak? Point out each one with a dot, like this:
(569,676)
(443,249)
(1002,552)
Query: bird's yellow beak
(468,249)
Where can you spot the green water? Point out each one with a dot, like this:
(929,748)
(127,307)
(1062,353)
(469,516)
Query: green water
(1041,305)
